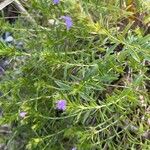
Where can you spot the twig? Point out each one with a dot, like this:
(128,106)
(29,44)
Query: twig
(5,3)
(23,10)
(19,6)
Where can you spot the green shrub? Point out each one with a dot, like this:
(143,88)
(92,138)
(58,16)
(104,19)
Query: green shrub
(100,72)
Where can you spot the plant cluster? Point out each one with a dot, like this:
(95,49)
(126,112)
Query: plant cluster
(81,82)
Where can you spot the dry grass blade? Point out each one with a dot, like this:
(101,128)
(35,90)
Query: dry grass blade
(5,3)
(23,10)
(19,7)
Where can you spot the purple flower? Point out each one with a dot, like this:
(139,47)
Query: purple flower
(68,21)
(22,114)
(56,1)
(61,105)
(74,148)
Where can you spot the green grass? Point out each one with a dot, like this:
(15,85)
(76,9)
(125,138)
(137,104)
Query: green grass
(99,70)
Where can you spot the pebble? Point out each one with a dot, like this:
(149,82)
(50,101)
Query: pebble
(5,35)
(3,147)
(19,44)
(9,39)
(53,22)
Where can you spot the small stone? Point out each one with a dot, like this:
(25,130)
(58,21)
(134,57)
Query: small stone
(146,135)
(5,35)
(9,39)
(19,45)
(52,22)
(4,63)
(3,147)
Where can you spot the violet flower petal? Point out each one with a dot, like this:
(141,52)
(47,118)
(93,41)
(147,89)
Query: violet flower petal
(68,21)
(61,105)
(56,1)
(22,114)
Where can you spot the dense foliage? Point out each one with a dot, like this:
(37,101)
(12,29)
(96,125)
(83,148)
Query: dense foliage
(82,87)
